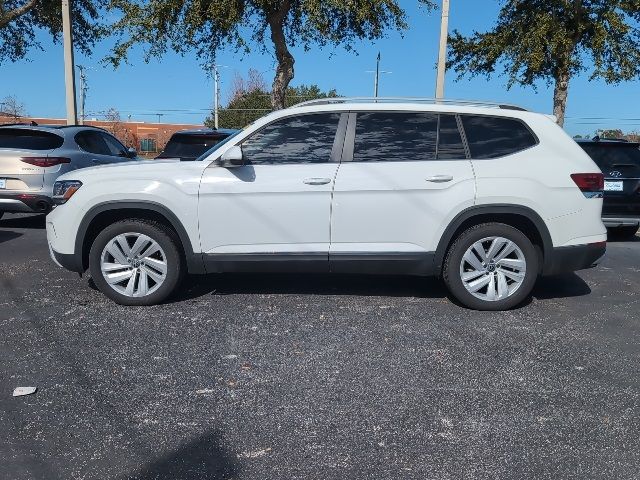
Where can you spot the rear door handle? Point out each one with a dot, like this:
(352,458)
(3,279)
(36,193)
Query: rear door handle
(317,181)
(439,178)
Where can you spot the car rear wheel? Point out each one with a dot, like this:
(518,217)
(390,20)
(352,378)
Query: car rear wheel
(491,266)
(624,233)
(136,262)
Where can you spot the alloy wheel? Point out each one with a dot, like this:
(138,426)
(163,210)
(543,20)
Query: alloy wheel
(493,268)
(133,264)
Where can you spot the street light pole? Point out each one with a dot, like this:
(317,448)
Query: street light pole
(83,93)
(216,95)
(69,73)
(442,53)
(375,82)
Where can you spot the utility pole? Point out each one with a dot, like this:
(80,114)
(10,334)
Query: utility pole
(216,93)
(442,53)
(83,93)
(377,72)
(69,73)
(375,82)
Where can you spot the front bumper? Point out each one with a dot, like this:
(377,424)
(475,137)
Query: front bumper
(574,257)
(21,202)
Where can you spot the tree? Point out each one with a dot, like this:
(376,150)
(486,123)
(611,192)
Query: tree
(11,107)
(553,41)
(186,25)
(246,107)
(20,20)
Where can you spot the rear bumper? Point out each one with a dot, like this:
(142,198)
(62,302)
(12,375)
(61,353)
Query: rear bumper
(22,202)
(575,257)
(620,221)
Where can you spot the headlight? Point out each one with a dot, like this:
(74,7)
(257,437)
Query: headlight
(64,190)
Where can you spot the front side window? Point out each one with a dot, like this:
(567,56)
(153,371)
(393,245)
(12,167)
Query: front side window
(300,139)
(114,145)
(395,136)
(450,146)
(92,142)
(493,137)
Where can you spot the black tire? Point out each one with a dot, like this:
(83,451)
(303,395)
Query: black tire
(168,241)
(624,233)
(453,259)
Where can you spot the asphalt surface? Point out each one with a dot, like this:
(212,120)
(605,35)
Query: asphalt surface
(316,377)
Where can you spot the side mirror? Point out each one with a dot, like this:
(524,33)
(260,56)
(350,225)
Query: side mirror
(232,158)
(131,152)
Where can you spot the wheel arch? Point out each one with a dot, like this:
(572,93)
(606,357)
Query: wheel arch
(523,218)
(103,214)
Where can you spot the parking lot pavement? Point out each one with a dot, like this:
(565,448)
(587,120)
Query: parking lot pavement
(292,376)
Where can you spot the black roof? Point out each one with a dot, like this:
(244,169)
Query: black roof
(207,131)
(606,141)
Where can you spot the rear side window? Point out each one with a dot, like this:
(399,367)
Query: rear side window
(395,137)
(493,137)
(622,158)
(299,139)
(450,146)
(25,139)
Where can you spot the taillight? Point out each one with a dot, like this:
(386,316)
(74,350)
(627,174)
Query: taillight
(590,184)
(45,161)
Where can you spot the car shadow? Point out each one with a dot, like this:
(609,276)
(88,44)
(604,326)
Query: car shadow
(309,284)
(6,235)
(203,458)
(36,221)
(615,239)
(560,286)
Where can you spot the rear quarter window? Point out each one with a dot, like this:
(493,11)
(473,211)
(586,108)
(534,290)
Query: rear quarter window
(24,139)
(493,137)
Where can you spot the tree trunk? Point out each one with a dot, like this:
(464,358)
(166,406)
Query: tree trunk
(284,71)
(560,94)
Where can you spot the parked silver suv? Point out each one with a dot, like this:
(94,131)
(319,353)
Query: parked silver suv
(33,157)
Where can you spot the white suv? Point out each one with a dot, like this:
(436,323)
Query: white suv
(489,197)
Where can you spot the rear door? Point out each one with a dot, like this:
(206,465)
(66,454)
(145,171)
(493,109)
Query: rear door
(403,177)
(17,144)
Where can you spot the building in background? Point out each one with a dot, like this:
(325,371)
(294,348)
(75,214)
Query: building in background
(147,138)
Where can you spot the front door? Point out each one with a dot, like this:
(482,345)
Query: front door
(277,207)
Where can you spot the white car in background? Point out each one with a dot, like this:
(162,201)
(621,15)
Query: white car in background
(488,197)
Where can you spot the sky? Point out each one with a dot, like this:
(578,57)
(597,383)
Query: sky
(182,91)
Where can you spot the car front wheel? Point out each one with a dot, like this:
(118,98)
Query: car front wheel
(136,262)
(491,266)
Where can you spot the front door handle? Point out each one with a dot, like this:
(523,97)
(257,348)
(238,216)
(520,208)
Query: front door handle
(439,178)
(317,181)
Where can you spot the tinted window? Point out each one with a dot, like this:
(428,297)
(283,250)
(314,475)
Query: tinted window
(389,137)
(450,144)
(113,145)
(29,139)
(302,139)
(492,137)
(99,143)
(192,146)
(620,157)
(92,142)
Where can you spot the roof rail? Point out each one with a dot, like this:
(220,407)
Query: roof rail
(433,101)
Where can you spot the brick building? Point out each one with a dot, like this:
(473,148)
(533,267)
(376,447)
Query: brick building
(146,137)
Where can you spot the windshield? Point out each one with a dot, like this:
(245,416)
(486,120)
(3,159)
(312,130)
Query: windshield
(190,146)
(217,145)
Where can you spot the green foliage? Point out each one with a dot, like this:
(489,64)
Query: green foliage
(246,107)
(206,26)
(20,20)
(552,41)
